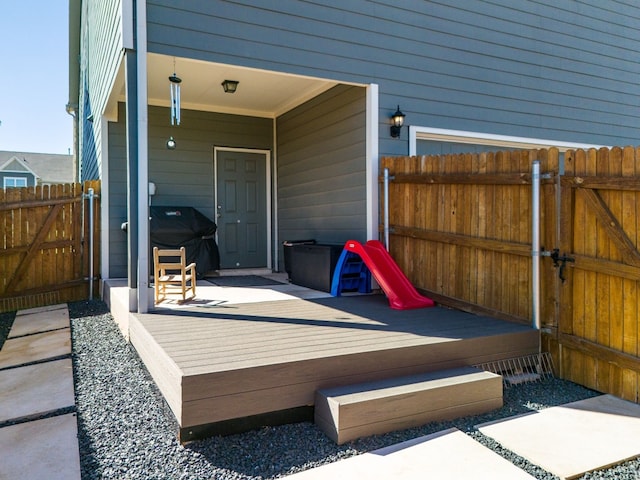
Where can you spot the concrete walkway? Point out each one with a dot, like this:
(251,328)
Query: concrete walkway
(38,425)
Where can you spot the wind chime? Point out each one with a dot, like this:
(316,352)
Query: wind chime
(174,88)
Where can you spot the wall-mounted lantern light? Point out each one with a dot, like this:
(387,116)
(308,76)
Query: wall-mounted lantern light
(230,86)
(171,144)
(396,123)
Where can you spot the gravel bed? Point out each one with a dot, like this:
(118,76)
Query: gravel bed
(126,430)
(6,321)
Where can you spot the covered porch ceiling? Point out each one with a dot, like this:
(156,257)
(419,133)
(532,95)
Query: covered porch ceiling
(260,93)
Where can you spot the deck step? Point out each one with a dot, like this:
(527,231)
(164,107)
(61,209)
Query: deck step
(354,411)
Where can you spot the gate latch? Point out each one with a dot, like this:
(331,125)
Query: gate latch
(560,261)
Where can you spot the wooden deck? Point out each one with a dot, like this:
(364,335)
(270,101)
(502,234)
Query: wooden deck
(231,367)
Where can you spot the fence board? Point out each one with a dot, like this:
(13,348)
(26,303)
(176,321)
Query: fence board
(483,208)
(583,297)
(550,237)
(470,225)
(505,302)
(603,284)
(590,293)
(616,301)
(521,293)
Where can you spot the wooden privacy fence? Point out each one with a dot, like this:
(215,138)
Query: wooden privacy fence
(460,227)
(44,233)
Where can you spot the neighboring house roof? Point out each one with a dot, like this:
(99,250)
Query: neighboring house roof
(49,168)
(17,165)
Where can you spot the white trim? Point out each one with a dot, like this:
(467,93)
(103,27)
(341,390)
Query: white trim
(104,196)
(274,195)
(4,181)
(267,158)
(143,160)
(127,24)
(459,136)
(372,161)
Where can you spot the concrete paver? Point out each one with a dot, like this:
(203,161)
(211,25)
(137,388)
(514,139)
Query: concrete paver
(46,308)
(40,319)
(46,448)
(573,439)
(33,348)
(36,389)
(447,454)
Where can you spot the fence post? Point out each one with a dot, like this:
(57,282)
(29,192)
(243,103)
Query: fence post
(91,198)
(386,208)
(535,243)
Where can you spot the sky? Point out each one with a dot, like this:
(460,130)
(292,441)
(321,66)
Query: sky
(34,77)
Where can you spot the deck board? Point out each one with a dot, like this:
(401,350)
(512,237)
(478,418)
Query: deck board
(233,361)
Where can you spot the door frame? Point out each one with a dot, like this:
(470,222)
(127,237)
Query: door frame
(267,160)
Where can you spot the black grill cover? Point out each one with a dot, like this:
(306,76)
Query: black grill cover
(175,227)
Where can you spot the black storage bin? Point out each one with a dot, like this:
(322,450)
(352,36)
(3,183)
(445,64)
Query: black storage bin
(312,266)
(175,227)
(287,249)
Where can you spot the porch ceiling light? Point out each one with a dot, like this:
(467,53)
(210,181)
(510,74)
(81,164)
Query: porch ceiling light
(230,86)
(171,144)
(396,123)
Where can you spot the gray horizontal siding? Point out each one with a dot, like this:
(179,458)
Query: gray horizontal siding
(117,196)
(321,168)
(184,176)
(101,49)
(558,69)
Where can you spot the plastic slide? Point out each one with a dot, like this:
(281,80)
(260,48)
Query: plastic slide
(401,293)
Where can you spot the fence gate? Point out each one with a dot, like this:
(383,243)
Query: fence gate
(44,257)
(598,331)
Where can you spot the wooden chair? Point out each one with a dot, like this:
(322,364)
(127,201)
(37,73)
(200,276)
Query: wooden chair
(172,274)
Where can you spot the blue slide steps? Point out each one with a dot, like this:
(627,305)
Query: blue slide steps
(350,275)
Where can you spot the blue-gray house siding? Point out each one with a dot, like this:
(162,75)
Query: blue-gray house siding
(559,69)
(322,167)
(101,48)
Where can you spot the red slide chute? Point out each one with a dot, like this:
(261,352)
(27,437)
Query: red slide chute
(401,293)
